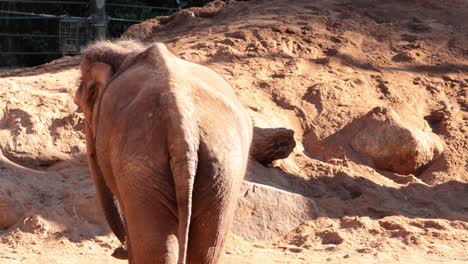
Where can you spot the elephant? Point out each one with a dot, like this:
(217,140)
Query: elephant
(167,145)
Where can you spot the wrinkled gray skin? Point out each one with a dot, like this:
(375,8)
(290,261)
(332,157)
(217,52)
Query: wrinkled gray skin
(170,140)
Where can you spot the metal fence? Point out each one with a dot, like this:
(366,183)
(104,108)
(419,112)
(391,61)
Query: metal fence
(29,37)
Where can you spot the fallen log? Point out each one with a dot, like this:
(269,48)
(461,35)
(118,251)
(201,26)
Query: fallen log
(271,144)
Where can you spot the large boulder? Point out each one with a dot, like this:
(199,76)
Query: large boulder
(394,142)
(265,213)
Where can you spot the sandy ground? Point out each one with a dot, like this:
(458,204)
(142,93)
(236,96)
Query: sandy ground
(311,66)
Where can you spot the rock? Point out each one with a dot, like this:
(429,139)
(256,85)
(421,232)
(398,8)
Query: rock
(264,212)
(9,215)
(270,144)
(330,237)
(86,207)
(35,224)
(120,253)
(352,222)
(403,57)
(394,143)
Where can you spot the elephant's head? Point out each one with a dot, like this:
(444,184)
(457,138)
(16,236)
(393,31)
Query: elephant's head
(98,64)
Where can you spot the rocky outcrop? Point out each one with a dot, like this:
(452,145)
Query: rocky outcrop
(38,122)
(264,212)
(394,143)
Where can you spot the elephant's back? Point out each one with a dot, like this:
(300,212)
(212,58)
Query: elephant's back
(131,119)
(144,100)
(222,117)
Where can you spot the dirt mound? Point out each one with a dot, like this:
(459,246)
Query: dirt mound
(316,67)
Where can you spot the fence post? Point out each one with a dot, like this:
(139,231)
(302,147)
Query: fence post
(99,18)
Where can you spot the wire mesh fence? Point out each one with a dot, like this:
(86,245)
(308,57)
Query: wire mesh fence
(33,32)
(73,34)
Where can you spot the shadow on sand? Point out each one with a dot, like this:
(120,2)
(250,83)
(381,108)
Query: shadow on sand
(338,194)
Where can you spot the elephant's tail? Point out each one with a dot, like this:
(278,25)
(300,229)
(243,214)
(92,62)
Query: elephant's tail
(183,142)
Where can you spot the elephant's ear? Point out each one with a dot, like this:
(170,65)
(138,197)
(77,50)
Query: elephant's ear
(93,83)
(99,76)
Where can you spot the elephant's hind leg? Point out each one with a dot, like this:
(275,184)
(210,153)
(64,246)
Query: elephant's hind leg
(208,233)
(213,212)
(217,185)
(152,230)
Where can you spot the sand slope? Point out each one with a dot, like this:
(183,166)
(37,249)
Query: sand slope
(312,66)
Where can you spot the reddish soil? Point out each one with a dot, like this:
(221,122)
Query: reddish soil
(312,66)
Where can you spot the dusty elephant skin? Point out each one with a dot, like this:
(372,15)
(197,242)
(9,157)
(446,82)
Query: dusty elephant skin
(169,139)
